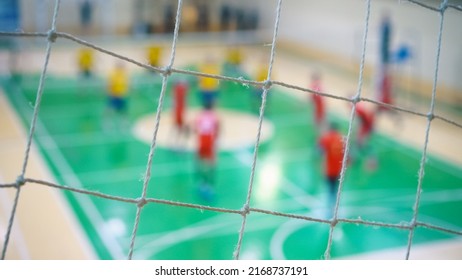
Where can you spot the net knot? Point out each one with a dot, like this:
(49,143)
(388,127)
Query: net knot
(141,202)
(355,99)
(413,224)
(267,85)
(334,222)
(167,71)
(443,6)
(20,181)
(245,210)
(52,35)
(430,116)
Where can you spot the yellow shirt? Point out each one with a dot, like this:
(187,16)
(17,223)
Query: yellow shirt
(234,56)
(85,58)
(262,73)
(154,55)
(209,84)
(118,83)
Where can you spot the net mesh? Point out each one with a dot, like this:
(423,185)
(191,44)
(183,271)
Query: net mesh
(53,34)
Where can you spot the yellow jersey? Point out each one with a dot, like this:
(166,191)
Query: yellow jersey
(154,55)
(118,83)
(206,83)
(85,59)
(262,73)
(234,56)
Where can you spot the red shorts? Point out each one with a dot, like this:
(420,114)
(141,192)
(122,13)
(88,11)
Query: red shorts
(179,120)
(206,149)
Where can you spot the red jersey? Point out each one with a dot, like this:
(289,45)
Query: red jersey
(385,90)
(207,127)
(333,146)
(179,98)
(366,118)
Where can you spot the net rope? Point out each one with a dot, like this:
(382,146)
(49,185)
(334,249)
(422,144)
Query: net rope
(52,35)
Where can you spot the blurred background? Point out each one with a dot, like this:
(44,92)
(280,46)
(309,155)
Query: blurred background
(71,147)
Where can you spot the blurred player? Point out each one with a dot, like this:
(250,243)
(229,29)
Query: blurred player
(332,144)
(318,101)
(180,91)
(385,37)
(207,128)
(85,62)
(385,92)
(153,55)
(234,60)
(384,81)
(209,87)
(118,84)
(86,13)
(366,118)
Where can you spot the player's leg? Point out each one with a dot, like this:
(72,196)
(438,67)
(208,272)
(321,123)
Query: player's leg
(204,169)
(333,183)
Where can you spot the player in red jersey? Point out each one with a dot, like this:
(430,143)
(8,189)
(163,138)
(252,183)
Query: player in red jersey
(180,91)
(332,144)
(318,100)
(366,118)
(207,128)
(385,90)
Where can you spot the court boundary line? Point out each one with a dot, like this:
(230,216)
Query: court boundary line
(63,203)
(69,177)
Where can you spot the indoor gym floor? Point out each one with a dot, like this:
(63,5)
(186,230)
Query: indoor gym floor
(81,153)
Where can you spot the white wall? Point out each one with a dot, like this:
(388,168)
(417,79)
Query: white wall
(108,15)
(334,26)
(337,26)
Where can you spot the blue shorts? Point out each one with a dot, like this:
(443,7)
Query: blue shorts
(118,103)
(209,96)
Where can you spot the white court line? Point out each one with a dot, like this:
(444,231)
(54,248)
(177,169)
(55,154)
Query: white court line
(159,171)
(282,232)
(15,119)
(211,227)
(17,236)
(428,197)
(159,242)
(75,140)
(71,179)
(280,235)
(416,154)
(288,187)
(163,241)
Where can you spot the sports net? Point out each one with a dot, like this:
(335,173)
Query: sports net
(54,34)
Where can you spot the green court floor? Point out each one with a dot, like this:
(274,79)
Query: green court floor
(81,153)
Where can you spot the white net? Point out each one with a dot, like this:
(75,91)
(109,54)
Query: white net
(54,34)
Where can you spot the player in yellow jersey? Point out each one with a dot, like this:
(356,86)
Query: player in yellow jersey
(234,59)
(209,87)
(118,85)
(85,62)
(153,54)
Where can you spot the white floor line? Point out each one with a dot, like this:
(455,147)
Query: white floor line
(287,186)
(71,179)
(16,238)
